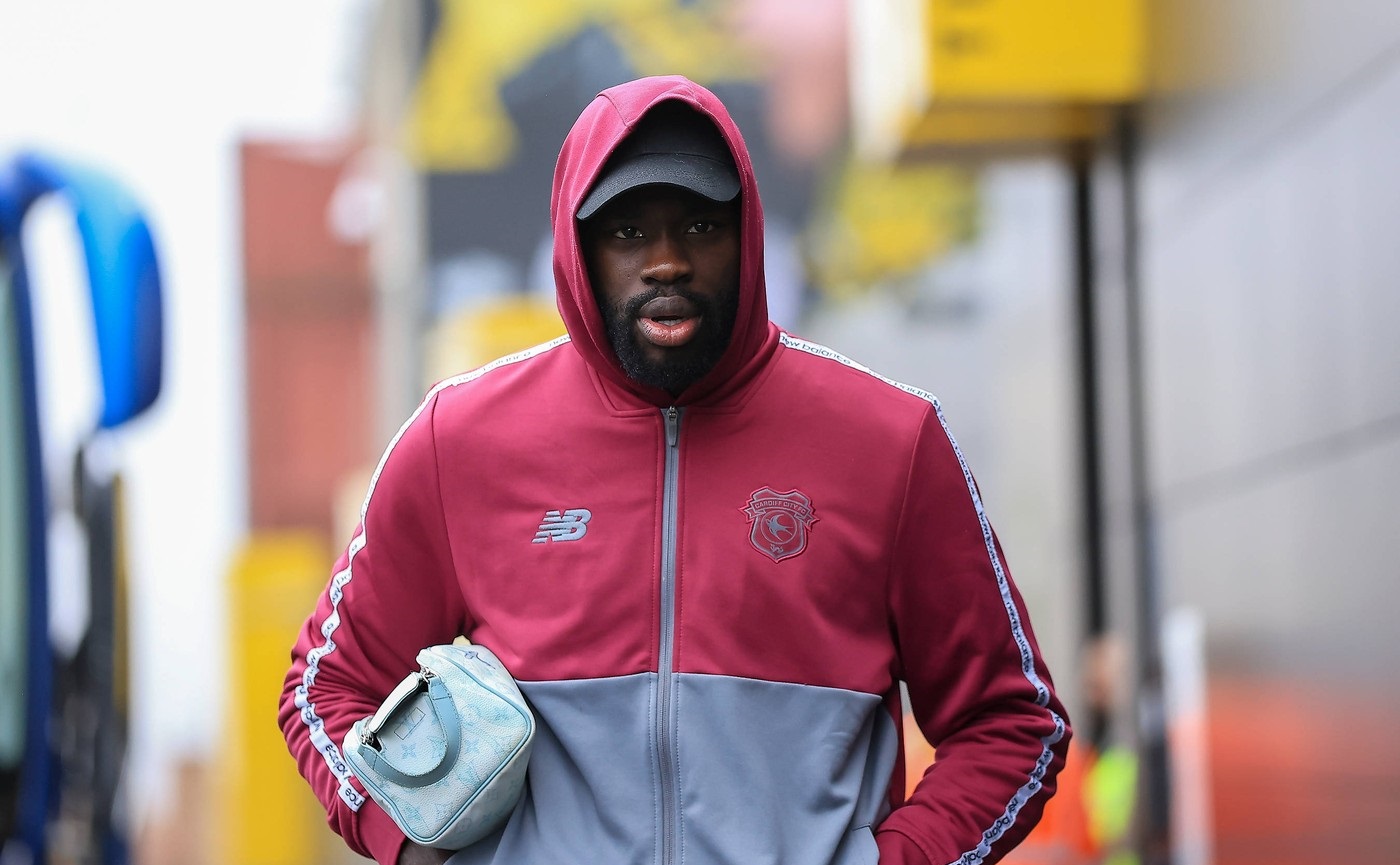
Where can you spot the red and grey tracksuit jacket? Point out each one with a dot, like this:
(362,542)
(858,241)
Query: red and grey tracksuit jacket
(709,601)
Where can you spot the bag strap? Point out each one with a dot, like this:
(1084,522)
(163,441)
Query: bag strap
(444,713)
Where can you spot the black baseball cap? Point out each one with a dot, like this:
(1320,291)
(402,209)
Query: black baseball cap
(672,145)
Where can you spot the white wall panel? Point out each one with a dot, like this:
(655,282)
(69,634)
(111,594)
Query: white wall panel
(1232,79)
(1296,573)
(1273,312)
(1270,207)
(1271,301)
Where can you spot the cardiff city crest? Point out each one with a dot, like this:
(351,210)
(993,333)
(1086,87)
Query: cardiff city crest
(779,522)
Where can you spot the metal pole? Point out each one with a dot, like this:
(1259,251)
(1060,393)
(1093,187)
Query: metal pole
(1154,787)
(1095,723)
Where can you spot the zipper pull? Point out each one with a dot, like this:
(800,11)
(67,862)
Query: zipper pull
(673,426)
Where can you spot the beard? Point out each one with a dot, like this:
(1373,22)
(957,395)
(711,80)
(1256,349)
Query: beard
(682,367)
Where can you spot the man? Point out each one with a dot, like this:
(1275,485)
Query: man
(708,550)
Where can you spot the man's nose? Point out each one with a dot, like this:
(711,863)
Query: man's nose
(668,261)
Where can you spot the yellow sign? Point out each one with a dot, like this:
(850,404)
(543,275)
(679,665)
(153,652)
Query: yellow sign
(460,123)
(885,222)
(466,339)
(268,814)
(1001,73)
(1035,50)
(990,126)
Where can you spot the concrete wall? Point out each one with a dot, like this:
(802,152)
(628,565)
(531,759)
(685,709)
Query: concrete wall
(1270,201)
(1269,276)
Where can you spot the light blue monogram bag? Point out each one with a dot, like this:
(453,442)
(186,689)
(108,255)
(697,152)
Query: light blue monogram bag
(445,754)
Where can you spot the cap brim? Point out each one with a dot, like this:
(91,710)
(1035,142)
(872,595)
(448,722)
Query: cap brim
(701,175)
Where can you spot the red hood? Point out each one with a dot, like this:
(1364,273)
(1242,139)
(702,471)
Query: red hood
(602,126)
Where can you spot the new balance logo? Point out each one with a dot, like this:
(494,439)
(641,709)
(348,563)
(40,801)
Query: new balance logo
(567,525)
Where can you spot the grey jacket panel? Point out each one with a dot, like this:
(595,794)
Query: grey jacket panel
(770,774)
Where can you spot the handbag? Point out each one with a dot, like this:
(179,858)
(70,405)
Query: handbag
(445,755)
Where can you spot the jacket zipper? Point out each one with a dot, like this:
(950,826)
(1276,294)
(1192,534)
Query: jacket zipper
(665,723)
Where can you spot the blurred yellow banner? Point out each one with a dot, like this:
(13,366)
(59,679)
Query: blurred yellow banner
(465,339)
(992,126)
(974,75)
(459,121)
(1035,50)
(885,222)
(269,815)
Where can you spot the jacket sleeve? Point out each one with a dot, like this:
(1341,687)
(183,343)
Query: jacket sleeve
(977,685)
(392,592)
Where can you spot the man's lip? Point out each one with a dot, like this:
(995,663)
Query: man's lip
(668,332)
(670,307)
(669,321)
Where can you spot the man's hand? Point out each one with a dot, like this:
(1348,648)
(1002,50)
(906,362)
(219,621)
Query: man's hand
(416,854)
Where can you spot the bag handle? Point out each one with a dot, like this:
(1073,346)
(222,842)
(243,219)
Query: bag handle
(444,713)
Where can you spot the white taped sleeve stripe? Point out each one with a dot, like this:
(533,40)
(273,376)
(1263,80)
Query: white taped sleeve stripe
(315,727)
(1042,763)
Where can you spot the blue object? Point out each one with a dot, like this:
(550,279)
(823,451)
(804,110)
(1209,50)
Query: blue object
(122,272)
(36,788)
(126,298)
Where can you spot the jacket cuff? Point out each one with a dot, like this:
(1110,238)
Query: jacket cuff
(896,848)
(380,835)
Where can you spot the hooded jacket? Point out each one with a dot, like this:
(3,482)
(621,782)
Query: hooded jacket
(709,601)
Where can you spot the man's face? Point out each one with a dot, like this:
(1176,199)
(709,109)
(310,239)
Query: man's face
(664,263)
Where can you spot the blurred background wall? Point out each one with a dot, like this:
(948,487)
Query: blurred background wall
(1137,247)
(1268,194)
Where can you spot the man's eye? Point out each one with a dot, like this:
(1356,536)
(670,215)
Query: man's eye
(702,227)
(627,232)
